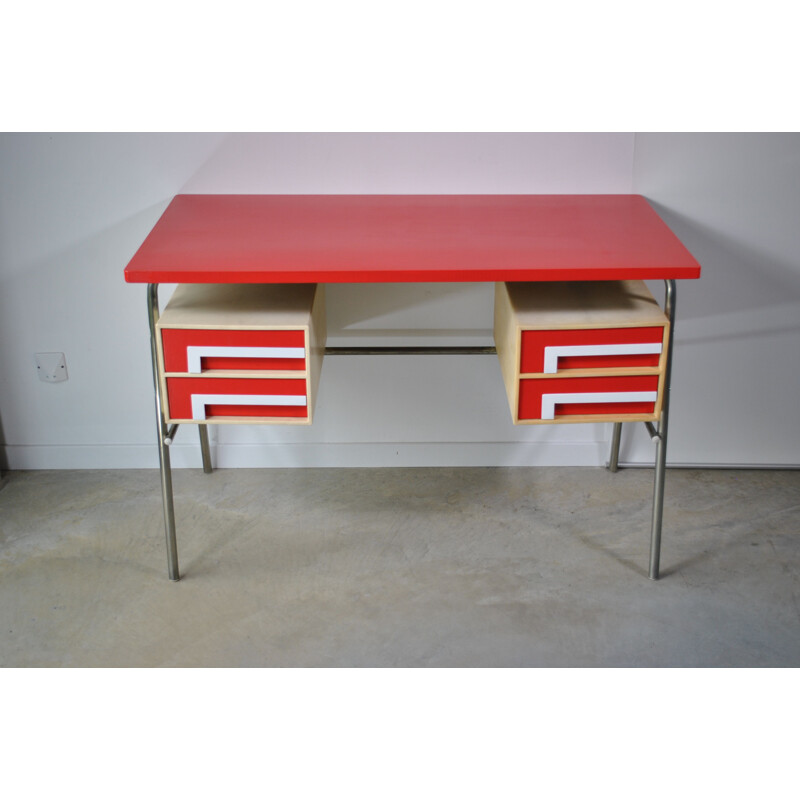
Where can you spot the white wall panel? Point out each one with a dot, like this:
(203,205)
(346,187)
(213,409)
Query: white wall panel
(74,207)
(734,200)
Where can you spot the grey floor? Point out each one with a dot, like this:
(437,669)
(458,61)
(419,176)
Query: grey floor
(400,567)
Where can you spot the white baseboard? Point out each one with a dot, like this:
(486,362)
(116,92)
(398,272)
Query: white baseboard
(371,454)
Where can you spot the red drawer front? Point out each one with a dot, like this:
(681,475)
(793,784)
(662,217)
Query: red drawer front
(176,341)
(554,398)
(534,344)
(207,398)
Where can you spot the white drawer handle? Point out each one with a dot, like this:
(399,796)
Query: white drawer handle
(200,401)
(550,401)
(553,352)
(194,354)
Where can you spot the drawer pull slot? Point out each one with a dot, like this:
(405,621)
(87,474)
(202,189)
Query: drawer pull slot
(553,352)
(200,401)
(550,401)
(195,354)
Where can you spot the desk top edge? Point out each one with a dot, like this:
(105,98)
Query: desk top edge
(408,238)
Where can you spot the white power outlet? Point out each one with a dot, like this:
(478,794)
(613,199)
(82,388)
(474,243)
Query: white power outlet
(52,367)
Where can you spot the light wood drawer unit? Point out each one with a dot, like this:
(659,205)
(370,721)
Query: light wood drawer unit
(581,351)
(249,353)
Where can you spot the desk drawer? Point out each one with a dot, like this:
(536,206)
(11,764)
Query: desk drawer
(604,349)
(195,351)
(236,399)
(590,399)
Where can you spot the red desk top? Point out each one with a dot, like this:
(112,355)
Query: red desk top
(399,238)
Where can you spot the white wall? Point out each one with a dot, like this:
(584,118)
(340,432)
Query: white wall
(734,200)
(74,208)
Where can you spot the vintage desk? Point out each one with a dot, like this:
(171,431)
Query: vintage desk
(579,337)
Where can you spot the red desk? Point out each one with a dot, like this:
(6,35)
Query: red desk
(391,238)
(238,239)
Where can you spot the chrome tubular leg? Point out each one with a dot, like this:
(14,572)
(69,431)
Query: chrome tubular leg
(205,449)
(616,436)
(163,448)
(661,444)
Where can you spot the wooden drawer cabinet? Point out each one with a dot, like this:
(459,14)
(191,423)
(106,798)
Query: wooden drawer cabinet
(241,353)
(581,351)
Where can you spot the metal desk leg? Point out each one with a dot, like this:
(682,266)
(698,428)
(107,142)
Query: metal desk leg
(616,436)
(163,448)
(205,449)
(661,444)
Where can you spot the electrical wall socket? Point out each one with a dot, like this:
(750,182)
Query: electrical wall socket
(52,367)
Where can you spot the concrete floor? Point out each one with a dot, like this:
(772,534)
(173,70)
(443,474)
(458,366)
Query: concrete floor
(400,567)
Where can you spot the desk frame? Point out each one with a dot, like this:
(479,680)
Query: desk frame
(166,433)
